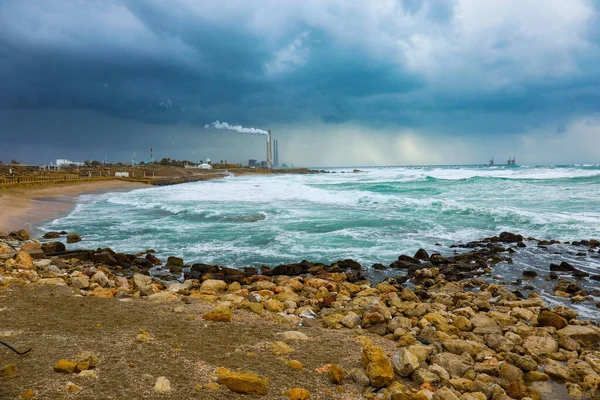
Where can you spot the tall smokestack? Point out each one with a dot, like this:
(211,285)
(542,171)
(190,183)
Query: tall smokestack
(269,151)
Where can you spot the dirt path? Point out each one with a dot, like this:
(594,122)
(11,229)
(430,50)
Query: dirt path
(184,348)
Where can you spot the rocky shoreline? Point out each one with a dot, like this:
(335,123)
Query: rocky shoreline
(457,333)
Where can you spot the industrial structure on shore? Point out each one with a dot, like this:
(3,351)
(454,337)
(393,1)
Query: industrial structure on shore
(272,160)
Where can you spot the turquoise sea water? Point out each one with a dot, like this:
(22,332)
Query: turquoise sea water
(372,216)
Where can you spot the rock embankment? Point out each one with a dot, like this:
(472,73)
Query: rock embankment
(456,335)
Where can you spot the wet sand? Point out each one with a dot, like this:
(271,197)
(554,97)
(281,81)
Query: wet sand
(24,206)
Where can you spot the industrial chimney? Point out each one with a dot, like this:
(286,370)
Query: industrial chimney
(269,152)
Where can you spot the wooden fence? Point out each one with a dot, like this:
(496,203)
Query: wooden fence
(27,180)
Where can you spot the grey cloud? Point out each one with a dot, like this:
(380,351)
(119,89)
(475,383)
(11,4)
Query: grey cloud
(451,68)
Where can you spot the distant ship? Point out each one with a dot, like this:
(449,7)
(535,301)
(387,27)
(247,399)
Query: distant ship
(511,162)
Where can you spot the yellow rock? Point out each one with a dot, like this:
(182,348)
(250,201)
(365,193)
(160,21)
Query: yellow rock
(219,313)
(298,394)
(8,371)
(436,318)
(536,376)
(463,323)
(294,364)
(24,260)
(65,366)
(407,340)
(244,383)
(208,298)
(256,308)
(333,320)
(336,374)
(72,388)
(213,285)
(274,305)
(212,386)
(102,292)
(142,337)
(29,394)
(82,366)
(378,367)
(279,348)
(364,340)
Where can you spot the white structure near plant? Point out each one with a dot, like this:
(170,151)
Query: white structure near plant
(63,162)
(122,174)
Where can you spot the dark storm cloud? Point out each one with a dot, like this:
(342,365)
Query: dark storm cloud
(460,66)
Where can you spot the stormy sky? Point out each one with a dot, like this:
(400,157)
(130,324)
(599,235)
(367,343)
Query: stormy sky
(339,82)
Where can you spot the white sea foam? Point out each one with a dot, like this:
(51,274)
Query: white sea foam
(369,215)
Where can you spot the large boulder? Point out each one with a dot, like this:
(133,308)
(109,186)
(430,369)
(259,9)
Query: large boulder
(141,280)
(540,345)
(289,269)
(105,258)
(421,254)
(198,270)
(404,362)
(174,264)
(351,320)
(65,366)
(6,250)
(214,285)
(508,237)
(244,383)
(349,264)
(220,313)
(510,373)
(444,394)
(464,346)
(560,372)
(483,325)
(53,247)
(585,335)
(518,390)
(548,318)
(378,367)
(73,238)
(34,249)
(526,363)
(21,234)
(80,282)
(51,235)
(100,278)
(456,365)
(24,260)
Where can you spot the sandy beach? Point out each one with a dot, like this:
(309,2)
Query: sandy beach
(24,206)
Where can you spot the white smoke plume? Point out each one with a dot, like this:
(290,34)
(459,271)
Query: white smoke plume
(236,128)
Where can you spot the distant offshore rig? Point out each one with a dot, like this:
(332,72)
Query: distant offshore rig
(511,162)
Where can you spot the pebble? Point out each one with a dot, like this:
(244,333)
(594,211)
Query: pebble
(245,383)
(9,371)
(72,388)
(65,366)
(163,385)
(298,394)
